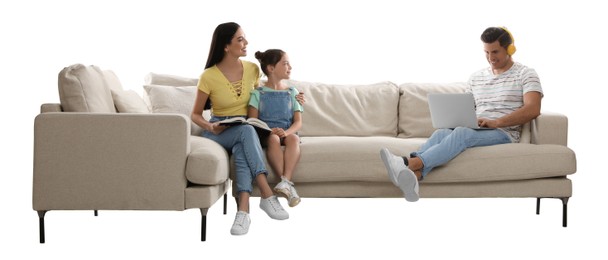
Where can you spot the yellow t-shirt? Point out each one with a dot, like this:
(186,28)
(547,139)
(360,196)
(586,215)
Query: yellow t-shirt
(229,98)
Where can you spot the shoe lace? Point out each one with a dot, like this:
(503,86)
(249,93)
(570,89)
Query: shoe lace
(275,205)
(239,219)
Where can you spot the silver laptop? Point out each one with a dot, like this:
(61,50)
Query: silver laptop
(453,110)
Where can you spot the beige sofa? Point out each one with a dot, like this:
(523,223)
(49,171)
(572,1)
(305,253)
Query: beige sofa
(345,126)
(105,148)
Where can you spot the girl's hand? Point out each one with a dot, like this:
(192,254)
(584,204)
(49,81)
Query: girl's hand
(278,131)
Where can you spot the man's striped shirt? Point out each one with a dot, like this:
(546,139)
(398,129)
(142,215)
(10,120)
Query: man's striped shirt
(500,95)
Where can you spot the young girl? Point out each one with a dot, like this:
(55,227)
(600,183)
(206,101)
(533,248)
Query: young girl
(275,103)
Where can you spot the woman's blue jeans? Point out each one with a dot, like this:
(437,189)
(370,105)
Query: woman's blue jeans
(243,143)
(445,144)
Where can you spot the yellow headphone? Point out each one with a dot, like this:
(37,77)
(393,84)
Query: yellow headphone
(511,48)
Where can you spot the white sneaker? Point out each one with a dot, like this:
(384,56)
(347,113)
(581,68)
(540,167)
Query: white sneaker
(241,224)
(273,208)
(286,189)
(394,164)
(401,175)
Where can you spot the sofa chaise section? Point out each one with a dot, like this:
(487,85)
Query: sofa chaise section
(95,157)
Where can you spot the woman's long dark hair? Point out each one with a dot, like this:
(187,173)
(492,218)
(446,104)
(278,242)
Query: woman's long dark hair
(222,36)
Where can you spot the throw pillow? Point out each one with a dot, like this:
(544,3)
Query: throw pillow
(85,89)
(169,99)
(127,101)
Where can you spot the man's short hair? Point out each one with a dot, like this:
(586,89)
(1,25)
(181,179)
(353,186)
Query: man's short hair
(492,34)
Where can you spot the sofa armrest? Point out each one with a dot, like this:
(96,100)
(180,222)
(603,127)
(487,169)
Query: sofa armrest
(549,128)
(110,161)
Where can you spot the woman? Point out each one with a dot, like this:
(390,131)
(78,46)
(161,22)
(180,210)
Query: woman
(228,81)
(275,103)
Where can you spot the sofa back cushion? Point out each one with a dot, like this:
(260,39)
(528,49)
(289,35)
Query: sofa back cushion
(128,101)
(87,89)
(180,99)
(348,110)
(414,114)
(170,99)
(169,80)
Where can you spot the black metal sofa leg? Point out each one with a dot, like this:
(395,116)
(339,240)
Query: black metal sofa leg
(204,224)
(225,203)
(41,214)
(564,210)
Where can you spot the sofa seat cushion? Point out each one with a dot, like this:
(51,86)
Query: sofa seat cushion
(207,162)
(506,162)
(341,158)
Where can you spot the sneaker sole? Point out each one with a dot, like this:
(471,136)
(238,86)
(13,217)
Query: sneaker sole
(285,193)
(276,217)
(294,202)
(407,182)
(238,233)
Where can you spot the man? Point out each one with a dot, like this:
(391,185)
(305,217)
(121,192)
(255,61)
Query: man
(507,95)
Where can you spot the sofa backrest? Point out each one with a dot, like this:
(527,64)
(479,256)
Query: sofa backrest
(169,80)
(380,109)
(87,89)
(349,110)
(414,114)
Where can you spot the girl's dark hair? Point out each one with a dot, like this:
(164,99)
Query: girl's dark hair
(492,34)
(269,57)
(222,36)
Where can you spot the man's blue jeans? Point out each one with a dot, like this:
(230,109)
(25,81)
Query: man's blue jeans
(243,142)
(445,144)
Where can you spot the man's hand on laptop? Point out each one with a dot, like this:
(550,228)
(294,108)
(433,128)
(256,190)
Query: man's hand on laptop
(484,122)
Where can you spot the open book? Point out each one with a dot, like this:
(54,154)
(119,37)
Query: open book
(257,123)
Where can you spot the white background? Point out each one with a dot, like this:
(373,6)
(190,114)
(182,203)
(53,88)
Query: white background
(343,42)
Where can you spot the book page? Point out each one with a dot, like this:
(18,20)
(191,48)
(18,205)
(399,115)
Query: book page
(233,121)
(258,123)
